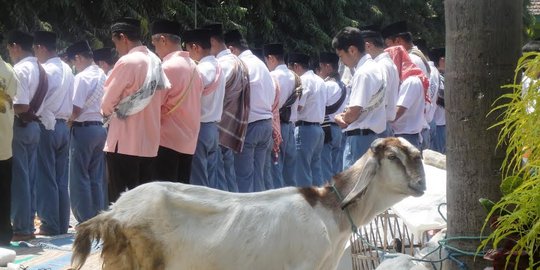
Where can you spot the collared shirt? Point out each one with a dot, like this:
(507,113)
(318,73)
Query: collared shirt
(440,112)
(212,103)
(286,80)
(181,105)
(417,60)
(313,100)
(433,91)
(333,94)
(262,89)
(59,96)
(367,79)
(138,134)
(411,96)
(27,71)
(8,86)
(87,82)
(392,84)
(227,61)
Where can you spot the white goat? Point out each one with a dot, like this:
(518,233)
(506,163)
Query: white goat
(182,227)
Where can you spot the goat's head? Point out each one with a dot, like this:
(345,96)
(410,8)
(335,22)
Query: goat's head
(394,162)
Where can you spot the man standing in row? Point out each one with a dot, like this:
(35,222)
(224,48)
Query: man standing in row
(308,133)
(250,162)
(26,132)
(52,197)
(181,105)
(204,170)
(283,173)
(365,115)
(236,107)
(134,112)
(336,94)
(375,48)
(87,160)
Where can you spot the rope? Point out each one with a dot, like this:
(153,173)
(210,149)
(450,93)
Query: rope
(454,252)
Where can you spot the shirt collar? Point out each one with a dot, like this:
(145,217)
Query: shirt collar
(363,60)
(223,53)
(176,53)
(245,53)
(381,56)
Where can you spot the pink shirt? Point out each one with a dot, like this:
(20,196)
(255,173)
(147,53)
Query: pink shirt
(138,134)
(181,106)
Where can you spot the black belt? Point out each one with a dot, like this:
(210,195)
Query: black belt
(305,123)
(330,124)
(87,123)
(60,120)
(361,132)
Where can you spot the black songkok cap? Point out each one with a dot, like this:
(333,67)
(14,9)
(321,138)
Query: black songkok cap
(233,36)
(328,57)
(437,53)
(126,24)
(77,48)
(45,38)
(258,52)
(166,27)
(273,49)
(21,38)
(370,34)
(299,58)
(394,29)
(103,54)
(199,36)
(216,29)
(373,27)
(421,44)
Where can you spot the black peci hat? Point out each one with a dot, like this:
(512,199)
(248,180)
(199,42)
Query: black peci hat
(22,38)
(45,38)
(103,54)
(394,29)
(126,24)
(166,27)
(216,29)
(437,54)
(233,36)
(77,48)
(373,27)
(299,58)
(199,36)
(273,49)
(328,57)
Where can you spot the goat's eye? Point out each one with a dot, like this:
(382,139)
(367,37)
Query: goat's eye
(392,157)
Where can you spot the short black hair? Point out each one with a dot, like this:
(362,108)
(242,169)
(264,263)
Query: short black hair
(240,44)
(376,41)
(349,36)
(130,35)
(87,55)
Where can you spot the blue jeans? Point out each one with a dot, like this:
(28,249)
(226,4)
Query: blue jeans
(226,175)
(414,139)
(441,139)
(284,172)
(23,202)
(331,154)
(426,139)
(355,147)
(249,164)
(52,197)
(87,171)
(268,168)
(204,164)
(309,145)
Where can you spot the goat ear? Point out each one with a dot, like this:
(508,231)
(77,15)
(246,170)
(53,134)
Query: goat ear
(377,146)
(367,173)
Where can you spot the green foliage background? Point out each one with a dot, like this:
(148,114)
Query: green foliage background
(307,25)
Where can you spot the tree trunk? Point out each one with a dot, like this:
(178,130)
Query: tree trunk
(483,41)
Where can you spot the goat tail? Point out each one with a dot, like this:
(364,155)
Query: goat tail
(104,228)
